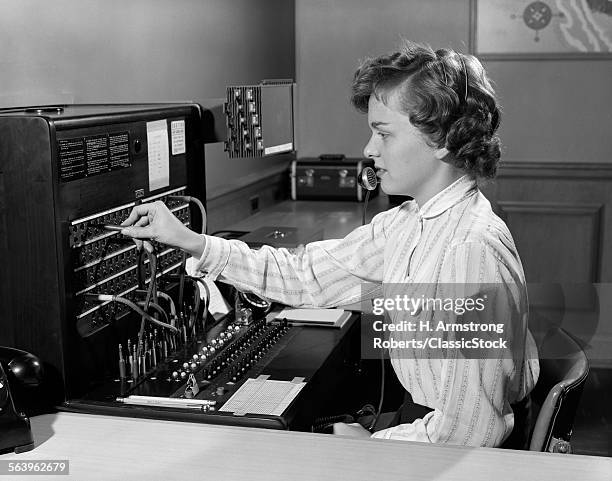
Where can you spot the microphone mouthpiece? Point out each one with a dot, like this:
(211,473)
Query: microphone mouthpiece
(367,179)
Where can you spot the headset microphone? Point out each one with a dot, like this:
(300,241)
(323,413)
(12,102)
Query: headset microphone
(367,179)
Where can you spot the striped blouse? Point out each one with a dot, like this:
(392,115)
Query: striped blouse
(455,239)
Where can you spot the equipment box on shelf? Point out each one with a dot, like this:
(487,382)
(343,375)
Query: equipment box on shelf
(330,177)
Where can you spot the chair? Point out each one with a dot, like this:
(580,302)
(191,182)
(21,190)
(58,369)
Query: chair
(564,368)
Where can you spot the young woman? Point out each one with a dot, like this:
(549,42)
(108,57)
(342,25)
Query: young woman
(433,117)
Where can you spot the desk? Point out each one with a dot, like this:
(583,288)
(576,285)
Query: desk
(337,219)
(112,448)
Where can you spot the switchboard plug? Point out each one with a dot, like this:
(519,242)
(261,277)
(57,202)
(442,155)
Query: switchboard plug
(100,297)
(112,227)
(134,307)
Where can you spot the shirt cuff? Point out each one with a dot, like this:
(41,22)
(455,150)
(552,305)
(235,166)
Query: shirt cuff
(415,431)
(213,260)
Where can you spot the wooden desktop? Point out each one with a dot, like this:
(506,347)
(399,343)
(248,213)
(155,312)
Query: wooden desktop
(112,448)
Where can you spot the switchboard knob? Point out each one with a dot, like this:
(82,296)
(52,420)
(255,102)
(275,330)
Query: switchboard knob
(185,365)
(343,173)
(309,172)
(220,391)
(175,374)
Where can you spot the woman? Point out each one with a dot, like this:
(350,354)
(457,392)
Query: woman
(433,118)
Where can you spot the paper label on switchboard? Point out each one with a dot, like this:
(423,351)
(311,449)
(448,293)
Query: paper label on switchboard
(262,396)
(158,154)
(277,149)
(177,134)
(217,305)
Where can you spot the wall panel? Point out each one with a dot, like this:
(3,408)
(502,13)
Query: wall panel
(560,215)
(571,229)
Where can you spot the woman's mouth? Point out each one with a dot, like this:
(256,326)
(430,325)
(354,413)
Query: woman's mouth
(380,172)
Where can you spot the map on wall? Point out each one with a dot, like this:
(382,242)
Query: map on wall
(555,27)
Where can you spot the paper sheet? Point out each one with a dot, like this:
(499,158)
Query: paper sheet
(177,134)
(262,396)
(218,306)
(158,154)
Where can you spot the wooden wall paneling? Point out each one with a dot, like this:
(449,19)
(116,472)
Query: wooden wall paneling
(560,216)
(544,230)
(564,186)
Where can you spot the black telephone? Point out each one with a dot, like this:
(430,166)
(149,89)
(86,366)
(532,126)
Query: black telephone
(19,369)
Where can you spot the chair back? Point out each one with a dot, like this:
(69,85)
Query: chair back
(564,368)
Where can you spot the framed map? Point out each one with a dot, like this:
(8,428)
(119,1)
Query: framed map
(522,29)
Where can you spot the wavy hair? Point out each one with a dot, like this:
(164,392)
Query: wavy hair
(446,95)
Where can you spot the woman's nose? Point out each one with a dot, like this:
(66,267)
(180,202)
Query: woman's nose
(370,151)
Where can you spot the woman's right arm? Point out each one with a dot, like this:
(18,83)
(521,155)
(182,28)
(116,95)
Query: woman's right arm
(322,274)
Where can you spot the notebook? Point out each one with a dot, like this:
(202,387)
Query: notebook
(314,317)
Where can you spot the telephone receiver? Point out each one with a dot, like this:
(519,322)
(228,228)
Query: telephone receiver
(19,370)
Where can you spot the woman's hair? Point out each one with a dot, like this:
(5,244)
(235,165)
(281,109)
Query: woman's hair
(446,95)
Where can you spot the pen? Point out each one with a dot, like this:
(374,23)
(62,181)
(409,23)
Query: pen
(163,404)
(177,400)
(166,402)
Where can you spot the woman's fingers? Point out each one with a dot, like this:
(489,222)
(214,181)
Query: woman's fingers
(138,212)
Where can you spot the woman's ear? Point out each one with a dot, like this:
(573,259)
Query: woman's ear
(441,153)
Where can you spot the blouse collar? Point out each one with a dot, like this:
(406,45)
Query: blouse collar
(462,188)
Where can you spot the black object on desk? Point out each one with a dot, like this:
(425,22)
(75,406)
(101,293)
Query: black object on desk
(24,370)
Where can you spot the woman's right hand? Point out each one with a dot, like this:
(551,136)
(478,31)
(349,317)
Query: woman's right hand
(154,221)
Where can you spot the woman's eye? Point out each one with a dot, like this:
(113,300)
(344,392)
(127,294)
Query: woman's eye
(383,134)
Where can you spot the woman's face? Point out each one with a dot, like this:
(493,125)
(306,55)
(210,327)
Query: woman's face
(401,154)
